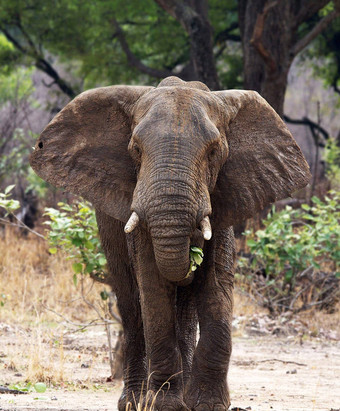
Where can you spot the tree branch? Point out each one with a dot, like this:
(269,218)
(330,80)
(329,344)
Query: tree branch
(307,9)
(256,39)
(320,26)
(335,85)
(14,41)
(40,62)
(308,122)
(225,34)
(133,60)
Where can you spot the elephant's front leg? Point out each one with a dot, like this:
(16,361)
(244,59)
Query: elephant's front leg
(207,389)
(158,298)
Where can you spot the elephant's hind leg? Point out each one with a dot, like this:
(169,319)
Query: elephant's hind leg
(123,283)
(207,389)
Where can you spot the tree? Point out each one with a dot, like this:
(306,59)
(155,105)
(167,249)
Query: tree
(115,42)
(273,34)
(128,42)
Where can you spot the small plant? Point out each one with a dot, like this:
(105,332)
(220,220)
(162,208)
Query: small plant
(73,228)
(8,203)
(292,244)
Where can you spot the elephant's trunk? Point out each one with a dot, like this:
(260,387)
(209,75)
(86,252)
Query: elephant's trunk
(171,215)
(172,258)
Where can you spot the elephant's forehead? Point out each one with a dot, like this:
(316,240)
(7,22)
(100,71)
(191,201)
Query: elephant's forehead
(176,102)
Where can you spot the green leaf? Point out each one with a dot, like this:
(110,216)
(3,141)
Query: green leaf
(288,276)
(251,243)
(9,188)
(197,250)
(102,261)
(53,250)
(40,387)
(89,268)
(104,295)
(75,279)
(198,259)
(77,267)
(89,245)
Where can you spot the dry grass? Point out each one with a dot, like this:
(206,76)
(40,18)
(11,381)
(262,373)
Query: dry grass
(32,280)
(32,283)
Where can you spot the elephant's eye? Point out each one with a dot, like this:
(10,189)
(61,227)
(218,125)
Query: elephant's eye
(136,151)
(212,154)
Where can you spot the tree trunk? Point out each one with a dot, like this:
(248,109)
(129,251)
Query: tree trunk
(270,41)
(193,16)
(266,49)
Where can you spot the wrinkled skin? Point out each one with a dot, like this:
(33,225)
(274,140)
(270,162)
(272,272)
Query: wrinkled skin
(173,154)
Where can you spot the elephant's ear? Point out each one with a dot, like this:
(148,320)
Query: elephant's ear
(84,148)
(264,163)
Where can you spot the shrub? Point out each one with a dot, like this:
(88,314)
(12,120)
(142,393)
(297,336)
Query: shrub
(292,244)
(73,228)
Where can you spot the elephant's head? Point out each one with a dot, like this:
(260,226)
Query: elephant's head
(171,156)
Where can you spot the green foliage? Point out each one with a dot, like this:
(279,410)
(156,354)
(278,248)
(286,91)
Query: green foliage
(73,228)
(294,260)
(83,36)
(332,159)
(9,58)
(15,79)
(324,53)
(293,240)
(8,203)
(196,258)
(40,387)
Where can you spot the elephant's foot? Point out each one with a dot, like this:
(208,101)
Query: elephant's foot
(130,399)
(207,396)
(162,401)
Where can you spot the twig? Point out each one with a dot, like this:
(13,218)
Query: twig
(110,306)
(305,272)
(20,224)
(316,160)
(108,334)
(283,361)
(92,323)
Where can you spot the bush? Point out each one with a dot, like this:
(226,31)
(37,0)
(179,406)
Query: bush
(294,245)
(73,228)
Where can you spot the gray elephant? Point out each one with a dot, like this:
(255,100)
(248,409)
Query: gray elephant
(173,166)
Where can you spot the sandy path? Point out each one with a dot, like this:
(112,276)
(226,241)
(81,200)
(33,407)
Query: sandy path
(263,376)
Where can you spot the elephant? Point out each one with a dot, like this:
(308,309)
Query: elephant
(167,168)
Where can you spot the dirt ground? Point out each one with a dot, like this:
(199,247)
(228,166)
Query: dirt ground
(267,372)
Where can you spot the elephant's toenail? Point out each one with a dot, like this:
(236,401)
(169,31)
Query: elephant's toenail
(219,407)
(202,407)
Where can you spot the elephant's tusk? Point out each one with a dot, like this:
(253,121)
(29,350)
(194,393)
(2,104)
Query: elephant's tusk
(132,223)
(206,228)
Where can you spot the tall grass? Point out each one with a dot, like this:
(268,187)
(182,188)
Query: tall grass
(39,303)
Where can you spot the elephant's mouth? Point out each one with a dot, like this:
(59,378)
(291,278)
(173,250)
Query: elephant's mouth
(172,250)
(205,225)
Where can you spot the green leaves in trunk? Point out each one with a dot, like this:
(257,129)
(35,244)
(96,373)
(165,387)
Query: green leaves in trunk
(196,258)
